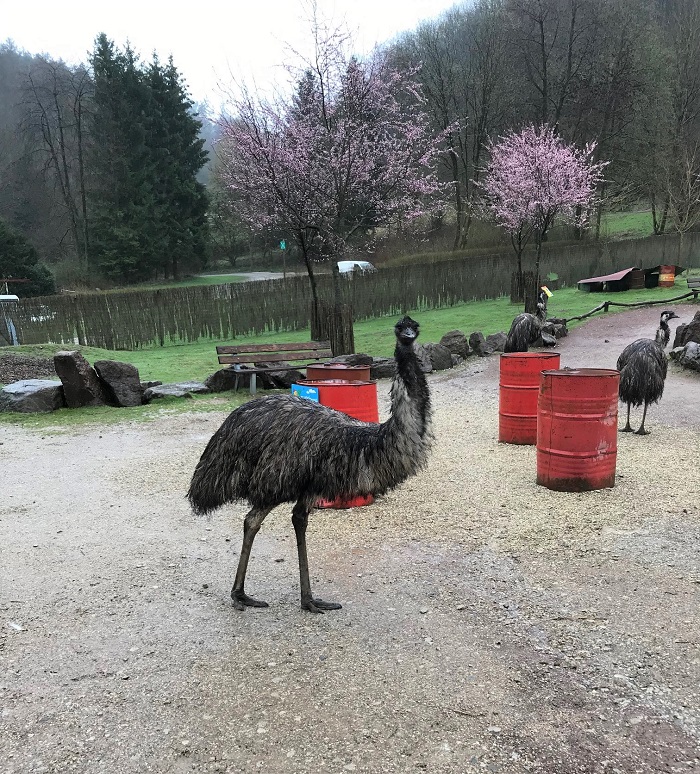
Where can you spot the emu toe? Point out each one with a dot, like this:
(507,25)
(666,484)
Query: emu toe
(319,606)
(627,429)
(241,600)
(642,431)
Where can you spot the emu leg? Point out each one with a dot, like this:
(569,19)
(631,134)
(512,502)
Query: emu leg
(300,519)
(251,525)
(628,428)
(641,430)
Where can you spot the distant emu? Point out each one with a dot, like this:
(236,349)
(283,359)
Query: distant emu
(526,328)
(642,366)
(286,449)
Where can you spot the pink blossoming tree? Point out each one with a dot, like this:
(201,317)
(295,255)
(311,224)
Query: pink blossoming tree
(533,179)
(350,151)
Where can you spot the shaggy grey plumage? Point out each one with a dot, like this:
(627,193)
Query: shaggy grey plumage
(285,449)
(526,328)
(642,366)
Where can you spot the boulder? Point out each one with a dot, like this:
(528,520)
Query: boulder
(440,357)
(690,356)
(177,390)
(284,379)
(81,385)
(688,332)
(423,356)
(382,368)
(495,342)
(32,395)
(358,359)
(121,382)
(457,343)
(556,327)
(477,343)
(225,379)
(146,385)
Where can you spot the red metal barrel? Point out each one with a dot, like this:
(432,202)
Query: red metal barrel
(337,371)
(358,400)
(577,429)
(519,386)
(667,276)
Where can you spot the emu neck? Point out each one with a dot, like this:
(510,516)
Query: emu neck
(410,399)
(663,334)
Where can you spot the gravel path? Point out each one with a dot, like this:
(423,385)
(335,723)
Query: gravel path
(488,624)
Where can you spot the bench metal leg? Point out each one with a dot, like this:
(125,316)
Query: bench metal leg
(253,383)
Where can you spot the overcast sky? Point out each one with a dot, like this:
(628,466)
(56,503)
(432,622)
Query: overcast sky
(208,40)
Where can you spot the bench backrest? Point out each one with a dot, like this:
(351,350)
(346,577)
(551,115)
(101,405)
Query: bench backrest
(308,351)
(693,282)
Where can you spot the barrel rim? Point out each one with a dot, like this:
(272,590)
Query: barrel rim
(527,355)
(590,372)
(335,382)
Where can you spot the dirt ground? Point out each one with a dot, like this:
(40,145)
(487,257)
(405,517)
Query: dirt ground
(488,624)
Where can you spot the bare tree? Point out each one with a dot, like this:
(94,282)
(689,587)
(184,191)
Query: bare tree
(56,98)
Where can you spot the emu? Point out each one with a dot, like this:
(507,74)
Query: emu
(642,366)
(285,449)
(526,327)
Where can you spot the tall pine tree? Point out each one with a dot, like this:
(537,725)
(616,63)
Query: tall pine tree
(149,211)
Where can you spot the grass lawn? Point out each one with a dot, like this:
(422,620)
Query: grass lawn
(627,224)
(209,279)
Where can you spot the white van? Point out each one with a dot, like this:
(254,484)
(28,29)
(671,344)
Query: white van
(362,267)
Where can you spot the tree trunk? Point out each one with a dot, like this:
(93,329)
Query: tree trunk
(530,285)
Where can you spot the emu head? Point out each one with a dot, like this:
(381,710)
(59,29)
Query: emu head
(406,330)
(666,316)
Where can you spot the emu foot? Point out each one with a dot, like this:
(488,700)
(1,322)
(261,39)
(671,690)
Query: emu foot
(642,431)
(242,600)
(627,429)
(318,605)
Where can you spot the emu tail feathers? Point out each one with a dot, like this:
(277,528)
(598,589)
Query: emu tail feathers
(210,487)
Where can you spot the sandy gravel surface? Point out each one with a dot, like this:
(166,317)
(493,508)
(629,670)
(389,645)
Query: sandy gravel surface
(488,624)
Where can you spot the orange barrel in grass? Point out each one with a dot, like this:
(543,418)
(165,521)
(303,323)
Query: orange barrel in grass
(519,387)
(577,429)
(667,276)
(358,399)
(322,371)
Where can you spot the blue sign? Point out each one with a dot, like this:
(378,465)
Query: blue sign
(302,391)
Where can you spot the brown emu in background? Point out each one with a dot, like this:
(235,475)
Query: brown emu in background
(286,449)
(643,366)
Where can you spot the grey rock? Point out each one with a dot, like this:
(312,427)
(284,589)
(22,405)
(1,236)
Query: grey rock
(423,356)
(146,385)
(495,342)
(690,356)
(382,368)
(225,379)
(456,360)
(457,343)
(121,382)
(81,385)
(440,356)
(282,378)
(556,329)
(688,332)
(176,390)
(32,395)
(477,342)
(358,359)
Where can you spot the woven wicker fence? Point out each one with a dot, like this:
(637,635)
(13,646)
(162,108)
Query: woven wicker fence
(131,319)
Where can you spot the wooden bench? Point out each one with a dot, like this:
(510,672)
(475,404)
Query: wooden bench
(694,285)
(238,356)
